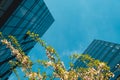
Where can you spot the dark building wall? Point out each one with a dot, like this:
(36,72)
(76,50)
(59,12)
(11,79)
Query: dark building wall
(7,7)
(27,15)
(104,51)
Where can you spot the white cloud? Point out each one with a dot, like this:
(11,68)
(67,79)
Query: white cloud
(70,52)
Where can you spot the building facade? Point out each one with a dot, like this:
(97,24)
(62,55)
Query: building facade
(104,51)
(16,18)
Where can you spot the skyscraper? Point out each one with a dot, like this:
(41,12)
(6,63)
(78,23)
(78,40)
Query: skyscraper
(16,18)
(104,51)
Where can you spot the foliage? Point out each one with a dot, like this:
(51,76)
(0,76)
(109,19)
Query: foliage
(94,70)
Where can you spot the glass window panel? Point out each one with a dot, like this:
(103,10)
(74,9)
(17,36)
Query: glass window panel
(29,3)
(21,12)
(38,6)
(108,57)
(90,46)
(104,53)
(20,37)
(18,31)
(111,45)
(4,54)
(23,24)
(115,61)
(2,47)
(30,25)
(36,25)
(34,19)
(5,67)
(35,8)
(29,16)
(95,50)
(106,44)
(42,10)
(41,2)
(117,46)
(7,30)
(13,21)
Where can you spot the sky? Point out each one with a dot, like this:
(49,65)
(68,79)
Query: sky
(77,23)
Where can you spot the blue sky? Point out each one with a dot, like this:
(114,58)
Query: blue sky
(77,24)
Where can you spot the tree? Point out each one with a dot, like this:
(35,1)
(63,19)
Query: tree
(94,70)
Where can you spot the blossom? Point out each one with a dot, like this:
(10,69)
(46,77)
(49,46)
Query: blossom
(25,60)
(32,75)
(49,63)
(15,51)
(24,69)
(101,64)
(39,76)
(4,41)
(19,56)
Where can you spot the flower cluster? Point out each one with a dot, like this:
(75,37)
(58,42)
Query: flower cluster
(15,52)
(23,60)
(95,70)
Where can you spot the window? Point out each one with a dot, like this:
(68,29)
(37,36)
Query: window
(117,46)
(29,3)
(21,12)
(106,51)
(29,16)
(13,21)
(23,24)
(7,30)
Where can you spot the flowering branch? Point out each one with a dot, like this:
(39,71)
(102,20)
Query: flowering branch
(25,62)
(95,69)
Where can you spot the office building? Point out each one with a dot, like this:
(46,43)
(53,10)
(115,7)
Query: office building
(104,51)
(16,18)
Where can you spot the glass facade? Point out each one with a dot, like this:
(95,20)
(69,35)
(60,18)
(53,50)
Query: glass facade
(104,51)
(30,15)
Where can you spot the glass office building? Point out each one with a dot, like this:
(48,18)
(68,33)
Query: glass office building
(16,18)
(104,51)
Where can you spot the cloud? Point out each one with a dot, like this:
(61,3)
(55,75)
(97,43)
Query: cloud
(69,52)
